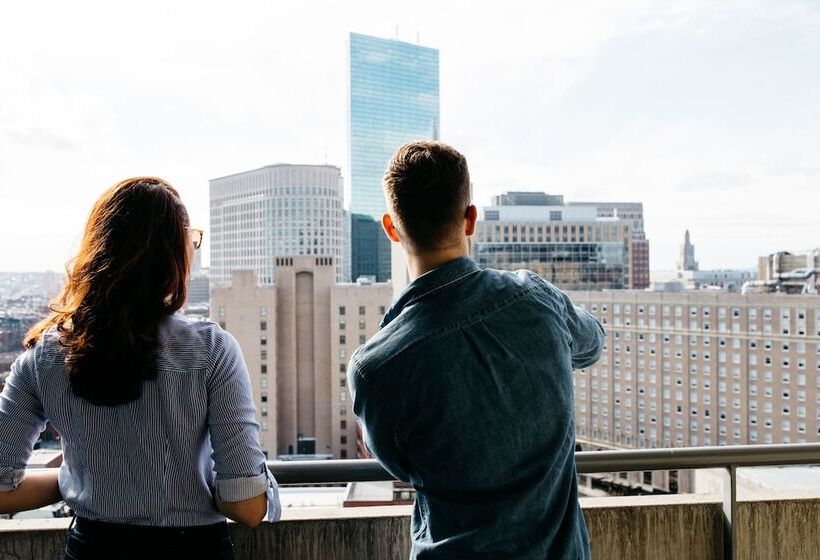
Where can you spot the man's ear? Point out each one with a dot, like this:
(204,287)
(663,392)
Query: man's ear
(389,228)
(470,218)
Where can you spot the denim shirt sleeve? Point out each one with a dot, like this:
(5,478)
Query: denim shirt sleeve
(370,408)
(21,420)
(586,332)
(239,463)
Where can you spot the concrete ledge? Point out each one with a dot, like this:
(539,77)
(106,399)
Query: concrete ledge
(656,527)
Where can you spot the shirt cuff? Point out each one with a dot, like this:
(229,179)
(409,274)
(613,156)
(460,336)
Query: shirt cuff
(238,489)
(10,477)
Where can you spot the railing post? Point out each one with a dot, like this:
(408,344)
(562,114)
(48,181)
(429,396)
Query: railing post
(730,513)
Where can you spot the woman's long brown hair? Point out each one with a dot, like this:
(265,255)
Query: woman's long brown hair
(131,271)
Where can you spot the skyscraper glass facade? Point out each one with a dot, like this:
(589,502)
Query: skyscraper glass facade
(393,99)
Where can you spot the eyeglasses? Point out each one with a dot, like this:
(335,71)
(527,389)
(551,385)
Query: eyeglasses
(196,236)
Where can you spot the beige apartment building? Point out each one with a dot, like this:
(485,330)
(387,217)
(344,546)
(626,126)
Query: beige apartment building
(701,368)
(297,336)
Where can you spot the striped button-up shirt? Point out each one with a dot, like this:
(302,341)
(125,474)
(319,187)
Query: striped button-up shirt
(158,460)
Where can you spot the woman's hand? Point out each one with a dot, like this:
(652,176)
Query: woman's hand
(37,489)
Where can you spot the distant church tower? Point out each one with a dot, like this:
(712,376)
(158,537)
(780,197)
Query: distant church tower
(686,260)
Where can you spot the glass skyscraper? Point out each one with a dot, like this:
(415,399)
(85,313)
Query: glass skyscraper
(394,98)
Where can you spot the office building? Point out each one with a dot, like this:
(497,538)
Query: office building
(577,246)
(370,249)
(297,335)
(199,290)
(701,368)
(277,210)
(393,99)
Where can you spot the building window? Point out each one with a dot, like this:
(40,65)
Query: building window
(263,325)
(263,311)
(361,310)
(342,368)
(342,424)
(342,310)
(362,339)
(343,440)
(343,454)
(342,339)
(263,354)
(263,341)
(263,369)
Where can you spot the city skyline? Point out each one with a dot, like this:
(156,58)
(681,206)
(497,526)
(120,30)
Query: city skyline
(704,114)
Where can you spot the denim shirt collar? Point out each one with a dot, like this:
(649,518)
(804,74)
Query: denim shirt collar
(429,282)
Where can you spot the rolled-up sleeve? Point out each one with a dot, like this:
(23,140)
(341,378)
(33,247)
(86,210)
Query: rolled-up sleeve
(239,463)
(21,420)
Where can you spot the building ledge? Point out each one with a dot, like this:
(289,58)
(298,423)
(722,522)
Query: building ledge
(641,527)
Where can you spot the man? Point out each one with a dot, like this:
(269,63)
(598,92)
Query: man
(466,391)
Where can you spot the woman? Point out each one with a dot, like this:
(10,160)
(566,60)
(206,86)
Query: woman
(154,410)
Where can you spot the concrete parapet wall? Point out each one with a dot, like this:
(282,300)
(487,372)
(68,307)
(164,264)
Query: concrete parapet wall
(635,528)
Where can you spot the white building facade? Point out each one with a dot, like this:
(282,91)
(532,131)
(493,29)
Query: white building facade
(278,210)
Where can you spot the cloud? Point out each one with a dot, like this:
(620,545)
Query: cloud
(708,113)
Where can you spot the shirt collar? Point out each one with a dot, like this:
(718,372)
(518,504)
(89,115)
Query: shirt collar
(429,282)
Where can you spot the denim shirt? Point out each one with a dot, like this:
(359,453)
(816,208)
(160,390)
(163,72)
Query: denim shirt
(466,393)
(159,460)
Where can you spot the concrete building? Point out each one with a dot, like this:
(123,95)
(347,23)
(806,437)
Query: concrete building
(277,210)
(727,280)
(582,246)
(297,335)
(701,368)
(686,259)
(783,272)
(688,275)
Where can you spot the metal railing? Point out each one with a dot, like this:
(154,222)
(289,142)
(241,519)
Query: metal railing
(587,462)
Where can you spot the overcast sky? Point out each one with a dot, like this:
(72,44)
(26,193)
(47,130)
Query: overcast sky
(709,114)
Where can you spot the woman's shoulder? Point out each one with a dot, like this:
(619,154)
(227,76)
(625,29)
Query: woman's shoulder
(188,343)
(48,347)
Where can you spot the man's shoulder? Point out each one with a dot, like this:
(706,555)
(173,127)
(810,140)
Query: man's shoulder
(393,340)
(406,338)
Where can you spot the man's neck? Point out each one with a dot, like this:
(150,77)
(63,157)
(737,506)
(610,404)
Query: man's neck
(421,263)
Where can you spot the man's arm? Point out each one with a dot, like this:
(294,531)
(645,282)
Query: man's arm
(370,408)
(587,335)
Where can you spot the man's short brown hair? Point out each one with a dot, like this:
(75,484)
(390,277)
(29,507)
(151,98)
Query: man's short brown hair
(427,185)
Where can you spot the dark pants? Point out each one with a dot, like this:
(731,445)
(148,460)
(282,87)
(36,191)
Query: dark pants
(93,540)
